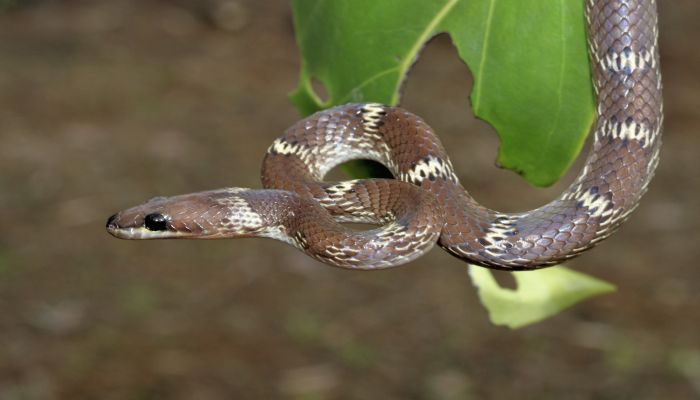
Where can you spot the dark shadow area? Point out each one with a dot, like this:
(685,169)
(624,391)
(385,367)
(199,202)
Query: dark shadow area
(358,169)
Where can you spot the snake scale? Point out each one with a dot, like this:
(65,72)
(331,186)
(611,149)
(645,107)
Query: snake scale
(426,204)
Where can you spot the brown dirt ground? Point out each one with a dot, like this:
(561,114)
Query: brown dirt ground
(106,103)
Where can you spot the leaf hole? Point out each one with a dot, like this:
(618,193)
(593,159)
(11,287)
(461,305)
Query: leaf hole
(438,90)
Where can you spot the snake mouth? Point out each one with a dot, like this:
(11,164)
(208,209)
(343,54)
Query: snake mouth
(138,232)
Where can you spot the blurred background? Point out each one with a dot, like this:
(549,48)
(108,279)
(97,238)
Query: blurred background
(104,104)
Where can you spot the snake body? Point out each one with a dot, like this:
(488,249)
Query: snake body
(426,204)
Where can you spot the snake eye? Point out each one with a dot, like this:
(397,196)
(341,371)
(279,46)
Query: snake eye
(155,222)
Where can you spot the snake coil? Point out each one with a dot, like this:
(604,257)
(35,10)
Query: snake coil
(425,203)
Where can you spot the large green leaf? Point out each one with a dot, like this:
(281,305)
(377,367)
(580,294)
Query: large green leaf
(539,294)
(531,82)
(528,59)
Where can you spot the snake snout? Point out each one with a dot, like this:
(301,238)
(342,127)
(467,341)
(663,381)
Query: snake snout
(111,225)
(110,221)
(114,228)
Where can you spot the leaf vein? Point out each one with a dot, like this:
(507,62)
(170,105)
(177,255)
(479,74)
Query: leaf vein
(478,78)
(560,81)
(410,57)
(366,82)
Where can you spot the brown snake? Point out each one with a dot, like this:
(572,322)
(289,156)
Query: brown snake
(426,203)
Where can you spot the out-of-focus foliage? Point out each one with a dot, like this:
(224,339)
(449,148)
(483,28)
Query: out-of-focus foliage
(539,295)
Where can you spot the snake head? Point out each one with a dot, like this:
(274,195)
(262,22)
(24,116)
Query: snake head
(205,215)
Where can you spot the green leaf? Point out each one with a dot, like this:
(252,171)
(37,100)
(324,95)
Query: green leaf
(528,59)
(539,295)
(531,82)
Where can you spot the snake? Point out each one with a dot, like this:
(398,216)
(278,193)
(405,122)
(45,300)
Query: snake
(425,204)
